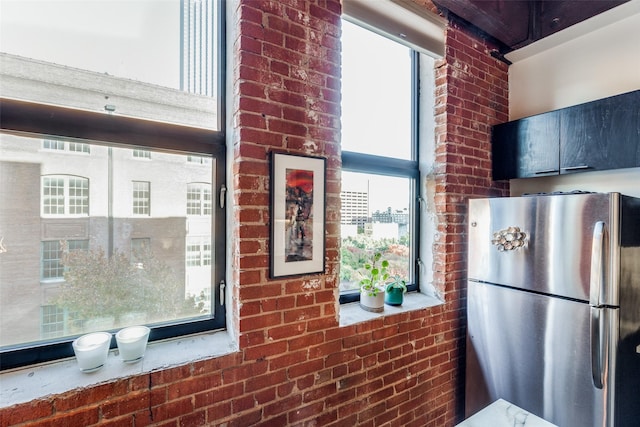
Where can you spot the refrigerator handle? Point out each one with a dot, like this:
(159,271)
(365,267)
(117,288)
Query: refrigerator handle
(597,356)
(596,279)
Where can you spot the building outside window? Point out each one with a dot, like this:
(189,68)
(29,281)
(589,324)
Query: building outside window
(139,249)
(141,154)
(52,144)
(380,165)
(141,197)
(199,199)
(52,253)
(79,147)
(53,321)
(198,251)
(199,160)
(73,147)
(65,195)
(132,256)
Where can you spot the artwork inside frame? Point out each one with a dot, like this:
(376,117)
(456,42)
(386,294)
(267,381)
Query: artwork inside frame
(297,214)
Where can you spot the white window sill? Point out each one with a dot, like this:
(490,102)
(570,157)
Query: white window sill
(36,381)
(352,313)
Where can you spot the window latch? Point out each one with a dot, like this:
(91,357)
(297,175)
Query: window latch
(223,196)
(222,286)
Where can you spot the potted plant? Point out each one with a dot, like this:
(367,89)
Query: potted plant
(372,284)
(395,290)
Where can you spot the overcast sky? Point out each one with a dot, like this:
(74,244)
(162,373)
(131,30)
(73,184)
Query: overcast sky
(136,39)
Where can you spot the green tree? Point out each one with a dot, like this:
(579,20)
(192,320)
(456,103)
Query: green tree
(97,285)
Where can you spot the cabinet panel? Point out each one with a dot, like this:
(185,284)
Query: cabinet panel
(527,147)
(601,135)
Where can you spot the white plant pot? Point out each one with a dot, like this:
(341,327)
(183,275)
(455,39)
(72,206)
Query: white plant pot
(91,350)
(374,304)
(132,343)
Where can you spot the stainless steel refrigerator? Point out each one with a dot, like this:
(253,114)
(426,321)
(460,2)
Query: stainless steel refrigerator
(553,307)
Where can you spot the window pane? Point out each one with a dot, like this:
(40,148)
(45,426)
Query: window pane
(107,269)
(376,94)
(199,199)
(79,147)
(120,56)
(51,256)
(78,196)
(52,321)
(141,198)
(375,217)
(52,144)
(53,196)
(142,154)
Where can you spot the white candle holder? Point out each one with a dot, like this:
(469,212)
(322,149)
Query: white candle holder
(91,350)
(132,343)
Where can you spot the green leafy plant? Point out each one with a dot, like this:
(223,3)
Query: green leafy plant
(375,275)
(397,283)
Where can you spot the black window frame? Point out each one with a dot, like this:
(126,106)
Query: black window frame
(49,121)
(395,167)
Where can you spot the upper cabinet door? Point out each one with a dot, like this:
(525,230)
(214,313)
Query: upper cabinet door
(527,147)
(601,135)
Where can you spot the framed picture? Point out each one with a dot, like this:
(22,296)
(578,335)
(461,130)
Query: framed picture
(297,214)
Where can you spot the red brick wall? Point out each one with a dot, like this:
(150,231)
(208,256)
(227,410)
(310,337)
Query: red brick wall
(295,365)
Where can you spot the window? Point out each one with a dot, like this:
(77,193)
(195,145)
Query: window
(53,321)
(199,160)
(199,199)
(198,251)
(52,253)
(52,144)
(140,247)
(65,195)
(141,197)
(78,147)
(133,267)
(141,154)
(74,147)
(380,164)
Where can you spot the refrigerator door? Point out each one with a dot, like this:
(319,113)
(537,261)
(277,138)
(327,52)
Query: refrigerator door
(546,243)
(536,352)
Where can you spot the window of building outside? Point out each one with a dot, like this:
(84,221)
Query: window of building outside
(141,197)
(380,165)
(141,154)
(92,237)
(199,198)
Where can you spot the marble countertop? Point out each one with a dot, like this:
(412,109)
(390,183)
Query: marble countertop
(504,414)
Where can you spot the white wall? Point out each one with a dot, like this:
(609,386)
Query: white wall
(595,59)
(592,60)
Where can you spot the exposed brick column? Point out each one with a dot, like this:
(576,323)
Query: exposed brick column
(287,92)
(471,96)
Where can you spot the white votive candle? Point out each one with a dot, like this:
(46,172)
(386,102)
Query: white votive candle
(91,350)
(132,342)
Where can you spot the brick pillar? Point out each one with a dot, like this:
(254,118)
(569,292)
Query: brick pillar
(471,96)
(287,98)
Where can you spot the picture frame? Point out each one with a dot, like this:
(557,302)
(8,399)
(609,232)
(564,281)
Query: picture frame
(298,198)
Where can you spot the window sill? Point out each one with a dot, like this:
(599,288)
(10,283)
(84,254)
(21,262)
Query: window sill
(352,313)
(33,382)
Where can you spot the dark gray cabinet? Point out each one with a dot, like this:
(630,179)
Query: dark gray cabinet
(527,147)
(601,135)
(598,135)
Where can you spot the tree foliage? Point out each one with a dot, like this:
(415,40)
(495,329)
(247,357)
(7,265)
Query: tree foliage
(356,251)
(97,285)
